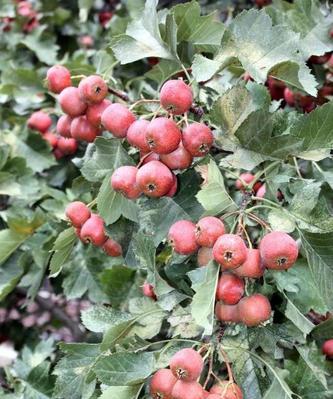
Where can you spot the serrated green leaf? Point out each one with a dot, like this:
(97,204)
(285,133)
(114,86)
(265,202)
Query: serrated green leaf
(63,247)
(126,392)
(9,242)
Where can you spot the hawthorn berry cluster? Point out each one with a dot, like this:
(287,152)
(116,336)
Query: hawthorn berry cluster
(246,181)
(180,380)
(26,13)
(277,251)
(90,228)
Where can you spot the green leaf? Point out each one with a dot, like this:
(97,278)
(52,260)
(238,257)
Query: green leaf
(9,242)
(39,384)
(99,318)
(281,221)
(45,49)
(294,315)
(10,274)
(323,331)
(62,248)
(121,392)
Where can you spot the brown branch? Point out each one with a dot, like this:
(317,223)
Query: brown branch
(120,94)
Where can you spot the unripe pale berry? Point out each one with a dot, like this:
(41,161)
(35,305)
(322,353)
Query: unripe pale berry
(182,237)
(93,89)
(78,213)
(174,187)
(186,364)
(230,289)
(247,178)
(94,112)
(136,135)
(230,251)
(227,313)
(64,126)
(154,179)
(254,310)
(197,139)
(123,180)
(327,348)
(261,191)
(187,390)
(82,130)
(71,102)
(205,255)
(40,121)
(252,267)
(117,118)
(93,231)
(162,383)
(278,250)
(227,390)
(51,138)
(180,158)
(163,135)
(208,230)
(148,291)
(112,248)
(58,78)
(67,146)
(176,97)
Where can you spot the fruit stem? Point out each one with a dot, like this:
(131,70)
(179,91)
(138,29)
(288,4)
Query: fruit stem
(123,96)
(143,158)
(254,198)
(259,220)
(143,101)
(262,172)
(297,168)
(186,73)
(78,77)
(210,369)
(92,203)
(317,166)
(226,361)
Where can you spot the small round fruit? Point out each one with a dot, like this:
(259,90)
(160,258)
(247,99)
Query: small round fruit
(93,89)
(327,348)
(51,138)
(58,78)
(254,310)
(82,130)
(93,231)
(176,97)
(230,251)
(213,396)
(94,112)
(227,390)
(177,159)
(227,313)
(148,157)
(136,135)
(289,97)
(40,121)
(71,102)
(278,250)
(64,126)
(112,248)
(163,135)
(67,146)
(197,139)
(205,255)
(58,154)
(162,383)
(187,390)
(252,267)
(117,119)
(261,191)
(123,180)
(208,230)
(182,237)
(186,364)
(246,178)
(148,291)
(174,188)
(78,213)
(154,179)
(230,289)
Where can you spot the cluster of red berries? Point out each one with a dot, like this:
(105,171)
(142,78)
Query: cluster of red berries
(180,381)
(258,188)
(90,228)
(27,13)
(277,251)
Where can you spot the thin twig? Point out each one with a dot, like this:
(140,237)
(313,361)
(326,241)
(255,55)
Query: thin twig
(226,361)
(119,94)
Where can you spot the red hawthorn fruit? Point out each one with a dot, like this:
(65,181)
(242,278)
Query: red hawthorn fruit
(174,187)
(227,313)
(78,213)
(278,250)
(154,179)
(117,119)
(263,3)
(58,154)
(104,17)
(252,267)
(208,230)
(254,310)
(163,135)
(213,396)
(40,121)
(230,251)
(276,88)
(67,146)
(247,77)
(186,364)
(148,157)
(182,237)
(162,383)
(176,97)
(247,178)
(136,135)
(30,25)
(205,255)
(197,139)
(94,112)
(93,89)
(230,289)
(319,59)
(227,390)
(153,61)
(58,78)
(123,180)
(327,348)
(187,390)
(148,291)
(51,138)
(180,158)
(83,130)
(71,102)
(92,231)
(261,191)
(257,186)
(112,248)
(289,97)
(25,10)
(326,90)
(64,126)
(86,41)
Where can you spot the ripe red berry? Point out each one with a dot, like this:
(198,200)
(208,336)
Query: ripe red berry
(182,237)
(320,59)
(278,250)
(104,17)
(112,248)
(276,88)
(205,255)
(174,187)
(71,103)
(163,135)
(148,157)
(64,126)
(58,78)
(227,390)
(67,146)
(136,135)
(227,313)
(327,348)
(123,180)
(162,383)
(82,130)
(247,178)
(24,9)
(117,118)
(289,96)
(187,390)
(148,291)
(261,191)
(230,289)
(154,179)
(208,230)
(51,138)
(176,97)
(254,310)
(86,41)
(93,89)
(94,112)
(197,139)
(78,213)
(213,396)
(58,154)
(252,267)
(180,158)
(186,364)
(230,251)
(40,121)
(93,231)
